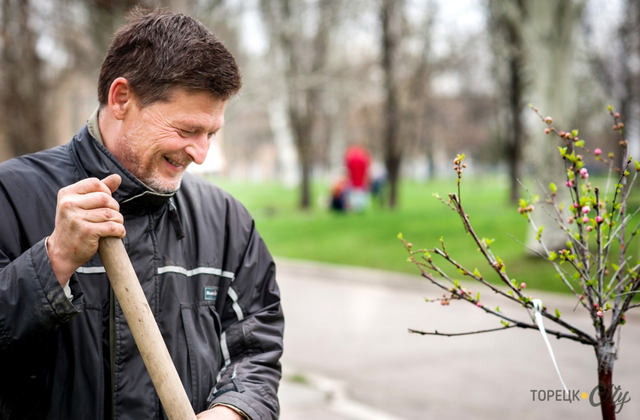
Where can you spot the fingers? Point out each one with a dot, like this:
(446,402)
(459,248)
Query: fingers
(89,185)
(112,182)
(94,200)
(101,215)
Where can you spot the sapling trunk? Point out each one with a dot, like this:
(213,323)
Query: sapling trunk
(605,353)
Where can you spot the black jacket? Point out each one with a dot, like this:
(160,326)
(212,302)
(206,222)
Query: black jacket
(206,272)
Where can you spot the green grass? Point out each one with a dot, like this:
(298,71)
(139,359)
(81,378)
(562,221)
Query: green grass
(370,239)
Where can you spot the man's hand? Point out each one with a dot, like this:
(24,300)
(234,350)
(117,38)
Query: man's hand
(219,412)
(85,212)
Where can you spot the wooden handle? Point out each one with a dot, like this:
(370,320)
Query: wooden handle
(145,330)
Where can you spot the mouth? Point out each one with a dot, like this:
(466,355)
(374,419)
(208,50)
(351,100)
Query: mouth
(174,163)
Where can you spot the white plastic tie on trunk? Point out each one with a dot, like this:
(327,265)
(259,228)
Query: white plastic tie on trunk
(537,314)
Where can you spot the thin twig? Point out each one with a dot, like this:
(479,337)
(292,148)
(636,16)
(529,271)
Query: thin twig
(459,334)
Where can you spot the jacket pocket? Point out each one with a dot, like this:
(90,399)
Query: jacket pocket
(202,330)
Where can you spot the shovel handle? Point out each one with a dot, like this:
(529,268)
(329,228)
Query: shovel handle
(145,330)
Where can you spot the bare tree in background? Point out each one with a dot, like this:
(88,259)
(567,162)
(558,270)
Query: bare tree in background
(23,85)
(418,108)
(304,48)
(391,20)
(506,21)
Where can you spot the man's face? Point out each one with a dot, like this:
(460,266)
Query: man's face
(160,140)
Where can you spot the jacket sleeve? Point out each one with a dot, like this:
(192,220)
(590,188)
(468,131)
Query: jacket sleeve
(32,303)
(251,339)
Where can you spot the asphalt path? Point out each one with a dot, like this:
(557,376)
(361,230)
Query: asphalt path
(348,354)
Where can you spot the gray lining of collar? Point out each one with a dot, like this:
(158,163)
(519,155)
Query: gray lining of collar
(94,126)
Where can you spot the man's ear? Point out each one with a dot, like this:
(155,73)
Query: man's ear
(120,97)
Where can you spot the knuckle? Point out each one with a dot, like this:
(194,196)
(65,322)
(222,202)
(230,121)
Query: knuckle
(65,204)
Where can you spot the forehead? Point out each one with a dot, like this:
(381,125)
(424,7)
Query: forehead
(199,110)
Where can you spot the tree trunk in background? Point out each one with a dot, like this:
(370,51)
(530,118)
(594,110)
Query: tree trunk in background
(516,131)
(516,103)
(23,87)
(549,33)
(506,21)
(391,21)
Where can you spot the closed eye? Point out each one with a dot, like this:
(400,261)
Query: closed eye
(186,133)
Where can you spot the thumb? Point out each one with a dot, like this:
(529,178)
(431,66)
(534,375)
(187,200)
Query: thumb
(112,182)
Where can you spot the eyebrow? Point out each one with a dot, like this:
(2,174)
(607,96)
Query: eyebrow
(189,126)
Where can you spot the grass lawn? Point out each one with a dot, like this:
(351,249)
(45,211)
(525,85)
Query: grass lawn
(370,239)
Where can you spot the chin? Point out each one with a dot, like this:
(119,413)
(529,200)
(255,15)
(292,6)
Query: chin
(163,185)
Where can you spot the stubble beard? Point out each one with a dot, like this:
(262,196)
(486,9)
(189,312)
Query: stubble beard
(133,148)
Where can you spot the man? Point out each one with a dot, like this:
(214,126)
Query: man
(66,351)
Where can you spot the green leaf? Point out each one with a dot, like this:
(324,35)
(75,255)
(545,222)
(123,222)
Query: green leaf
(400,235)
(558,313)
(456,283)
(426,300)
(476,273)
(574,133)
(497,309)
(553,187)
(563,151)
(503,322)
(579,143)
(552,256)
(478,296)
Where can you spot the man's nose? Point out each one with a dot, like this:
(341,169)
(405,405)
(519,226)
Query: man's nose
(198,148)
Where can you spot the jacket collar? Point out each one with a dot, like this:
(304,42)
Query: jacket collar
(96,161)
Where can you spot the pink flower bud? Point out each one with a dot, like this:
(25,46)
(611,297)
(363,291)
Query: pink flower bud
(617,115)
(586,209)
(599,313)
(562,133)
(576,139)
(597,152)
(569,183)
(584,172)
(548,120)
(570,220)
(601,204)
(409,244)
(585,219)
(479,305)
(598,219)
(589,228)
(576,205)
(523,285)
(547,131)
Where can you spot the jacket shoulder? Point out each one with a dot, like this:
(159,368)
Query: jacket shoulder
(49,167)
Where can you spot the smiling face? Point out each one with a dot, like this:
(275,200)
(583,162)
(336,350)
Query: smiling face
(160,140)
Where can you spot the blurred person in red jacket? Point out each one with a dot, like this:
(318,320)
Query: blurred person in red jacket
(357,161)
